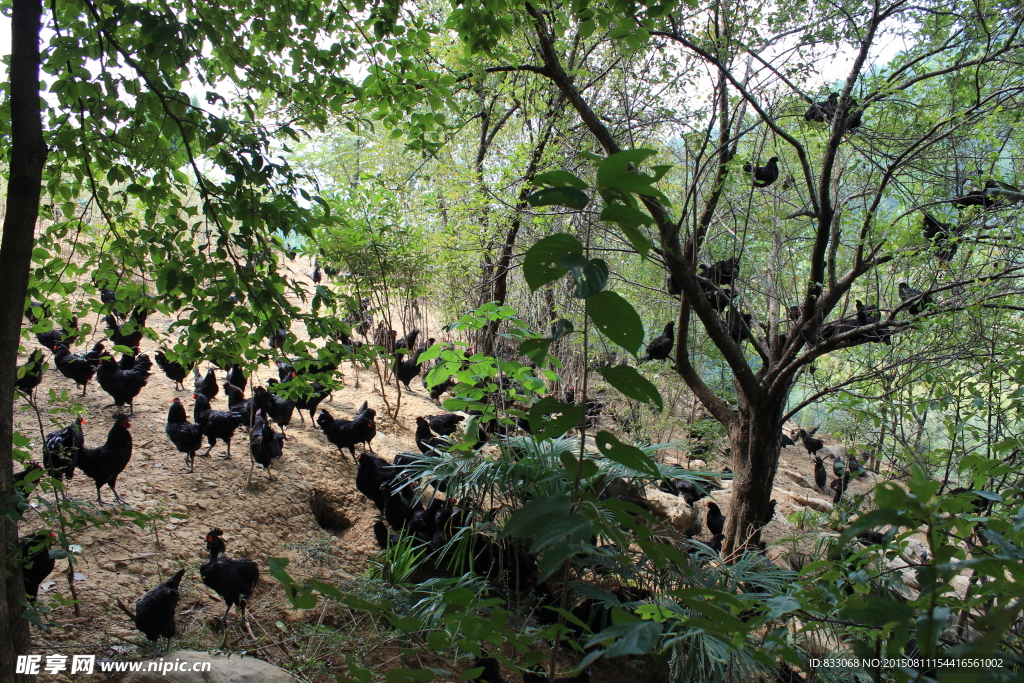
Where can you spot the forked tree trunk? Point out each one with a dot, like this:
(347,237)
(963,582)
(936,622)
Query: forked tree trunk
(753,438)
(28,154)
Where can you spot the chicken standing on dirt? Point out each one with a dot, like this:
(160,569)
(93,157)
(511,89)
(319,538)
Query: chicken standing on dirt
(185,436)
(154,612)
(104,463)
(233,579)
(175,371)
(426,440)
(77,368)
(33,373)
(207,386)
(264,443)
(216,424)
(444,425)
(372,475)
(36,561)
(123,385)
(347,433)
(61,450)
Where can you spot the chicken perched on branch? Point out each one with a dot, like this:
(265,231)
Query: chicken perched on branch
(764,175)
(660,347)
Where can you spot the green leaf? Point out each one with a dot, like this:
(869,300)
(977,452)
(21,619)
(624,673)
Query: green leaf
(619,169)
(277,569)
(541,263)
(629,639)
(781,604)
(569,415)
(533,517)
(616,319)
(560,179)
(877,611)
(626,455)
(634,385)
(534,349)
(559,196)
(592,280)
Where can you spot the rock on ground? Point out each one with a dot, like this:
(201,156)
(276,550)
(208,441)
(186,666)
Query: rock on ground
(223,669)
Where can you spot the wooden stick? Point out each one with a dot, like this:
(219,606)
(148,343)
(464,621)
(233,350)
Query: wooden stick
(131,615)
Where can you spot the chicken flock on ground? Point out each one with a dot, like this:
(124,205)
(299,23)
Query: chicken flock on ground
(405,506)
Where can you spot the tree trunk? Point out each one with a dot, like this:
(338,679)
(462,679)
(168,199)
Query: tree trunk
(754,440)
(28,155)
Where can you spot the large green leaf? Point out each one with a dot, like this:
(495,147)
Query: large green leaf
(624,454)
(560,179)
(559,196)
(532,518)
(616,319)
(631,383)
(541,263)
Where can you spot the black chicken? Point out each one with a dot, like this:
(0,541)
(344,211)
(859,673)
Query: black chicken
(310,401)
(690,492)
(278,408)
(764,175)
(444,425)
(943,237)
(820,475)
(104,463)
(30,374)
(407,370)
(716,520)
(491,671)
(721,273)
(264,443)
(347,433)
(661,347)
(59,335)
(426,440)
(36,561)
(372,475)
(123,385)
(236,376)
(119,335)
(207,386)
(408,341)
(237,403)
(77,368)
(977,197)
(61,450)
(810,444)
(186,437)
(233,579)
(823,111)
(908,293)
(175,371)
(216,424)
(154,612)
